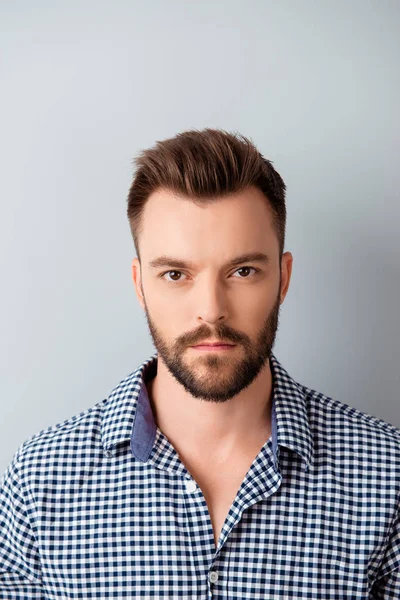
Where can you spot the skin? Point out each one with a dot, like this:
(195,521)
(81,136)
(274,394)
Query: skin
(211,404)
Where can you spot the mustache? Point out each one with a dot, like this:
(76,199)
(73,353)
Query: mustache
(222,334)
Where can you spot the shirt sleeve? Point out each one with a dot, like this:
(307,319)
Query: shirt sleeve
(20,573)
(387,584)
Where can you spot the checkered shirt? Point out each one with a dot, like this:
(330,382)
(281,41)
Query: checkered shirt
(101,506)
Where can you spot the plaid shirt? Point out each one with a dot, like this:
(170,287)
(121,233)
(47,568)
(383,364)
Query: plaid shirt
(101,506)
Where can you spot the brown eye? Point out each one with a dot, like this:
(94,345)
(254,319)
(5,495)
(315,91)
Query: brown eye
(174,272)
(246,269)
(173,276)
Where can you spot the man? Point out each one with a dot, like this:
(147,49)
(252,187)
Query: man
(208,472)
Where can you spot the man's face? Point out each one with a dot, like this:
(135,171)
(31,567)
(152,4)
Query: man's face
(207,299)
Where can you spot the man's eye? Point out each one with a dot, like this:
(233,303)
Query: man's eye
(171,280)
(246,269)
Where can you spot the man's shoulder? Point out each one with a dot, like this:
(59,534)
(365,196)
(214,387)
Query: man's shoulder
(83,432)
(338,421)
(73,435)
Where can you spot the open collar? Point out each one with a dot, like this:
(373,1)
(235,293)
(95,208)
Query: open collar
(128,417)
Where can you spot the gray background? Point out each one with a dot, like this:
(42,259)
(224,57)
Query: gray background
(86,85)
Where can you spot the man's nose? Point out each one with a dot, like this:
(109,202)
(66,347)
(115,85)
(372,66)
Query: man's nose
(211,301)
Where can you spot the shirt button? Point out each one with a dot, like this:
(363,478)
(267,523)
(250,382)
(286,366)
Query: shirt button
(190,485)
(213,576)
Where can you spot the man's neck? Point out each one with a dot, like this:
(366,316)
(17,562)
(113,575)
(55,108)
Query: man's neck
(208,429)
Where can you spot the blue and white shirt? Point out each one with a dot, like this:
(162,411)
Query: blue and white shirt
(101,506)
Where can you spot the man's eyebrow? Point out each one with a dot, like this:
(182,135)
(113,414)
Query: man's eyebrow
(170,261)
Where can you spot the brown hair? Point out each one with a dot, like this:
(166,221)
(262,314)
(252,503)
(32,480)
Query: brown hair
(202,165)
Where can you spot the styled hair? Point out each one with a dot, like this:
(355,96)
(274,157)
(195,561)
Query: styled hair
(202,165)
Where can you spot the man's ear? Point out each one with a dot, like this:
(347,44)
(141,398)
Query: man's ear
(137,280)
(286,273)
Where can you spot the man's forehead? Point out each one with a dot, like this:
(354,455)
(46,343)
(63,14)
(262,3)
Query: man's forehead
(174,229)
(249,210)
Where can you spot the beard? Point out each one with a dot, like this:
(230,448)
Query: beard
(213,376)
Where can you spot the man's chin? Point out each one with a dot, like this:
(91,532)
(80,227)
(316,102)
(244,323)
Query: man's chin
(211,363)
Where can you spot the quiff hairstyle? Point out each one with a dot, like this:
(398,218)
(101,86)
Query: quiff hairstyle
(200,166)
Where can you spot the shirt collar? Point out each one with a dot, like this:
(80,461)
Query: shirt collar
(128,416)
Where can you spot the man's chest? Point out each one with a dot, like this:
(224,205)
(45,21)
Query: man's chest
(220,483)
(129,528)
(219,501)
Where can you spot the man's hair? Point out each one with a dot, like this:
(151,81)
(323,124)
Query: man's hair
(202,165)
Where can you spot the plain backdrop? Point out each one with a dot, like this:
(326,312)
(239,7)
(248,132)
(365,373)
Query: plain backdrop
(86,85)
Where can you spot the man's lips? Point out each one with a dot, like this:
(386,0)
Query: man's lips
(213,346)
